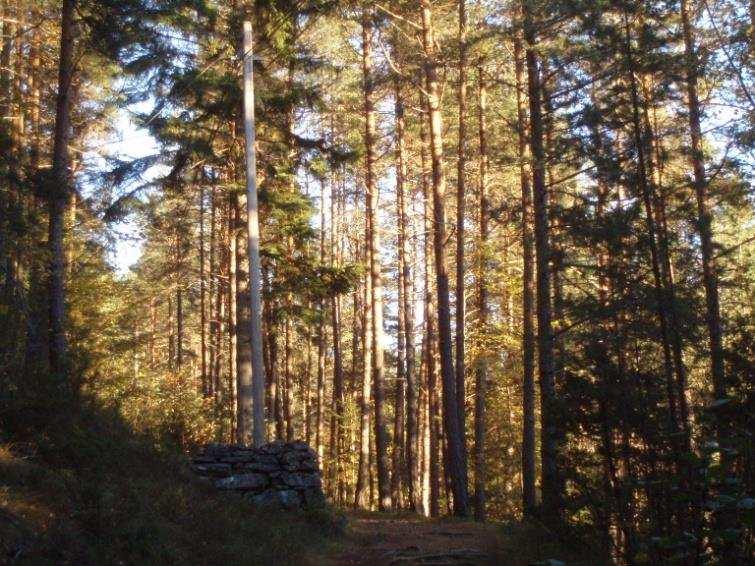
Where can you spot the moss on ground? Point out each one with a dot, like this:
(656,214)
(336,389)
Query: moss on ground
(86,490)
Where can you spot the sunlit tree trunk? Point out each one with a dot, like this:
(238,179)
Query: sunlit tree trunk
(233,293)
(202,291)
(410,436)
(551,481)
(362,495)
(460,211)
(451,419)
(481,366)
(646,196)
(373,242)
(59,191)
(704,216)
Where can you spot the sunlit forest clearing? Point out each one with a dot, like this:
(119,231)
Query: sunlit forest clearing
(394,282)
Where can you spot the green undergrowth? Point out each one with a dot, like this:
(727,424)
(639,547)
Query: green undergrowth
(77,486)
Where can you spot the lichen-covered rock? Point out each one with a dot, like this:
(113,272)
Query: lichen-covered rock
(281,475)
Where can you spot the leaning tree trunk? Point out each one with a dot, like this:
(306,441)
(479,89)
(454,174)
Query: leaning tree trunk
(454,434)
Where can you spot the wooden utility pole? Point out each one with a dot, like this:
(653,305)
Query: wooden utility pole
(251,396)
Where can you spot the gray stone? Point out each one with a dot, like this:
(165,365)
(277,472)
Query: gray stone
(289,499)
(243,482)
(312,480)
(216,449)
(266,500)
(238,458)
(293,480)
(308,466)
(265,459)
(261,467)
(204,459)
(275,447)
(214,469)
(278,475)
(313,497)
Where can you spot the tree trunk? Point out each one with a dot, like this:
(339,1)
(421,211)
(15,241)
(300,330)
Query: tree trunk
(319,417)
(549,433)
(233,293)
(481,367)
(179,327)
(337,420)
(451,419)
(430,346)
(373,240)
(646,196)
(288,394)
(705,220)
(171,336)
(529,500)
(251,387)
(202,291)
(460,210)
(362,495)
(215,299)
(406,321)
(59,194)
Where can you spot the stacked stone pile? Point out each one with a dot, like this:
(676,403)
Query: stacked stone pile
(280,474)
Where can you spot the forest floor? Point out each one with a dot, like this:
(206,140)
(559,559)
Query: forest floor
(396,539)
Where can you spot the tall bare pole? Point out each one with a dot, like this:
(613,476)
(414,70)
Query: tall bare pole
(251,396)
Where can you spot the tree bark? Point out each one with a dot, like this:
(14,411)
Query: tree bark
(373,239)
(233,293)
(460,211)
(362,494)
(704,218)
(406,315)
(481,367)
(59,191)
(430,345)
(451,419)
(549,445)
(646,190)
(202,292)
(529,498)
(251,388)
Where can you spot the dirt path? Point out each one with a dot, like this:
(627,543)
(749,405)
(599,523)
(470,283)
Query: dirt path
(400,539)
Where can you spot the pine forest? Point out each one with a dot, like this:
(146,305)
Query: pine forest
(492,261)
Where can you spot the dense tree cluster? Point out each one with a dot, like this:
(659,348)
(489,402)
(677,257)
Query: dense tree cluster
(508,248)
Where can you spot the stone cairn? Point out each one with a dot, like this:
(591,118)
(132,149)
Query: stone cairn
(277,475)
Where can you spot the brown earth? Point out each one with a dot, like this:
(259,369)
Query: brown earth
(397,539)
